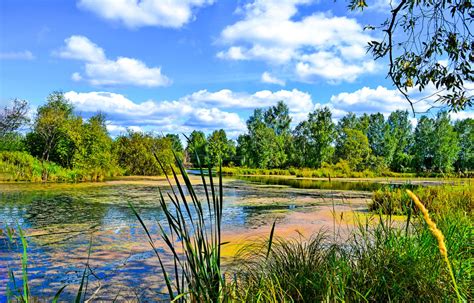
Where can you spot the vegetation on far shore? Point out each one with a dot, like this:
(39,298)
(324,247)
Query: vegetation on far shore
(60,145)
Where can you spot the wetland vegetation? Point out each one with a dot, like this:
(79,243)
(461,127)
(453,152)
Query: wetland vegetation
(316,210)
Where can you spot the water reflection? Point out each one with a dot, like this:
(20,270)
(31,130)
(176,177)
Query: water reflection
(322,184)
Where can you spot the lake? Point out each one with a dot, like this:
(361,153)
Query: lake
(61,221)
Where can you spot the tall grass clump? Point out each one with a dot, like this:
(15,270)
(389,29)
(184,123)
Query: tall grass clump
(380,263)
(437,199)
(196,274)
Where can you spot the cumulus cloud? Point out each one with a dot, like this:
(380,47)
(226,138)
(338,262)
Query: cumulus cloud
(21,55)
(268,78)
(319,45)
(209,110)
(202,110)
(99,70)
(379,99)
(298,102)
(133,14)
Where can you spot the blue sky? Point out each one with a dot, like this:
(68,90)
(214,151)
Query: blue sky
(174,66)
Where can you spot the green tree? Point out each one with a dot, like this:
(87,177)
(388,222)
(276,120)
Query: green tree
(52,130)
(353,147)
(220,148)
(424,144)
(265,148)
(446,146)
(381,138)
(465,131)
(278,118)
(176,144)
(243,150)
(313,138)
(197,147)
(401,132)
(135,152)
(94,153)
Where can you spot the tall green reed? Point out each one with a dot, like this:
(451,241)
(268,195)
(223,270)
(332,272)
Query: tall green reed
(196,268)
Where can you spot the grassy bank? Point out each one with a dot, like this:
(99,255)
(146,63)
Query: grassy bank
(339,170)
(21,166)
(438,199)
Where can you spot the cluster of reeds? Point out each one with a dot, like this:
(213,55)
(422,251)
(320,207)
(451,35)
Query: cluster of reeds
(381,263)
(196,270)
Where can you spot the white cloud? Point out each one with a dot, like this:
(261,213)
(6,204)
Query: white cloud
(81,48)
(468,114)
(22,55)
(133,13)
(207,111)
(319,45)
(373,100)
(99,70)
(298,102)
(202,110)
(268,78)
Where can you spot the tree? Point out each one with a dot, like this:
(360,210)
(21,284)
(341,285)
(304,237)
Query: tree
(423,147)
(354,148)
(417,36)
(176,145)
(197,148)
(220,148)
(278,118)
(264,147)
(94,148)
(465,131)
(401,132)
(52,128)
(14,117)
(136,152)
(381,139)
(243,150)
(313,138)
(446,147)
(11,120)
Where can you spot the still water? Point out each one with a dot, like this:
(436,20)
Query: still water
(61,221)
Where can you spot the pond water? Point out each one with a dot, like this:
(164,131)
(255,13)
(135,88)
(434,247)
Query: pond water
(62,220)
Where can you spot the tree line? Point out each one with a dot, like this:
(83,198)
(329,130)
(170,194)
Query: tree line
(56,134)
(367,142)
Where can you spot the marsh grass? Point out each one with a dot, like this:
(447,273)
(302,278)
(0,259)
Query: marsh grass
(437,199)
(194,239)
(21,166)
(379,263)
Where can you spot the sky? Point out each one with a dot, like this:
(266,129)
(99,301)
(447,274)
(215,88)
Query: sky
(172,66)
